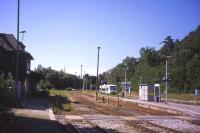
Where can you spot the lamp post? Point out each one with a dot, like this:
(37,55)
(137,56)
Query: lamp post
(75,81)
(84,80)
(97,82)
(166,78)
(22,34)
(125,80)
(81,76)
(140,79)
(17,57)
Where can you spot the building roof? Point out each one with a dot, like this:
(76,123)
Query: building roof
(9,43)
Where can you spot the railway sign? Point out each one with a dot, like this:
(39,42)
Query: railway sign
(126,85)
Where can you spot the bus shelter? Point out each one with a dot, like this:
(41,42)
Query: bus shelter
(149,92)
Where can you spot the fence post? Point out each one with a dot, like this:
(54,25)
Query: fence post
(118,101)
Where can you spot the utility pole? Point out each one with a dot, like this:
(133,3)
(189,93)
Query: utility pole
(17,58)
(97,82)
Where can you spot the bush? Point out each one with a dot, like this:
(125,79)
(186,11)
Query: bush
(44,85)
(6,93)
(60,103)
(6,101)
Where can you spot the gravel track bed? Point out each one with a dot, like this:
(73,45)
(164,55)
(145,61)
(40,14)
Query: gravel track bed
(84,126)
(88,106)
(179,125)
(113,126)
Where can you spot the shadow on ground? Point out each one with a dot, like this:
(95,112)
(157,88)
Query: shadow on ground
(35,125)
(32,117)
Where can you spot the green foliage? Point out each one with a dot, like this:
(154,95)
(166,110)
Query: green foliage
(6,101)
(183,66)
(61,80)
(56,79)
(60,103)
(6,93)
(183,96)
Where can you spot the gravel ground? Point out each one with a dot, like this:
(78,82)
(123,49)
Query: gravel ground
(84,126)
(179,125)
(149,122)
(115,126)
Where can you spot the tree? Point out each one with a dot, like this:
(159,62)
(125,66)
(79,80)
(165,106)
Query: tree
(168,46)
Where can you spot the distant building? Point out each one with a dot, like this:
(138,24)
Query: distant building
(8,54)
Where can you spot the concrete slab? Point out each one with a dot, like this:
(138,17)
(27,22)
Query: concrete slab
(51,115)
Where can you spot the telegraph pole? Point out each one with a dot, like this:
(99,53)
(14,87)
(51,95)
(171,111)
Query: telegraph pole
(97,82)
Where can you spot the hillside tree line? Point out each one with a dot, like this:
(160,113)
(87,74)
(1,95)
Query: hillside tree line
(183,65)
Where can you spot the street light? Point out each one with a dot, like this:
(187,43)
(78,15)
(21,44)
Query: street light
(166,77)
(22,34)
(125,79)
(75,81)
(97,88)
(17,58)
(84,81)
(81,76)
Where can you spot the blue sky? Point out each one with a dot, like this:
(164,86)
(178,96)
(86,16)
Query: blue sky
(66,33)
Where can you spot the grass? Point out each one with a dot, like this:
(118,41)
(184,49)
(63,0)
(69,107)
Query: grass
(183,96)
(60,101)
(63,93)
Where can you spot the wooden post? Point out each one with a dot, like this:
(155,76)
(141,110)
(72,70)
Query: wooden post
(118,101)
(103,99)
(195,95)
(96,96)
(108,101)
(195,100)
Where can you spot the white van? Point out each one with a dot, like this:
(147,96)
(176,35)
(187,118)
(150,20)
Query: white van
(108,89)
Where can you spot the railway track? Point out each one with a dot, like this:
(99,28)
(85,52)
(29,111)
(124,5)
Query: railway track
(96,124)
(98,118)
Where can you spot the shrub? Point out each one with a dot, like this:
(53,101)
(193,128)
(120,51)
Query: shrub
(60,103)
(6,101)
(6,93)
